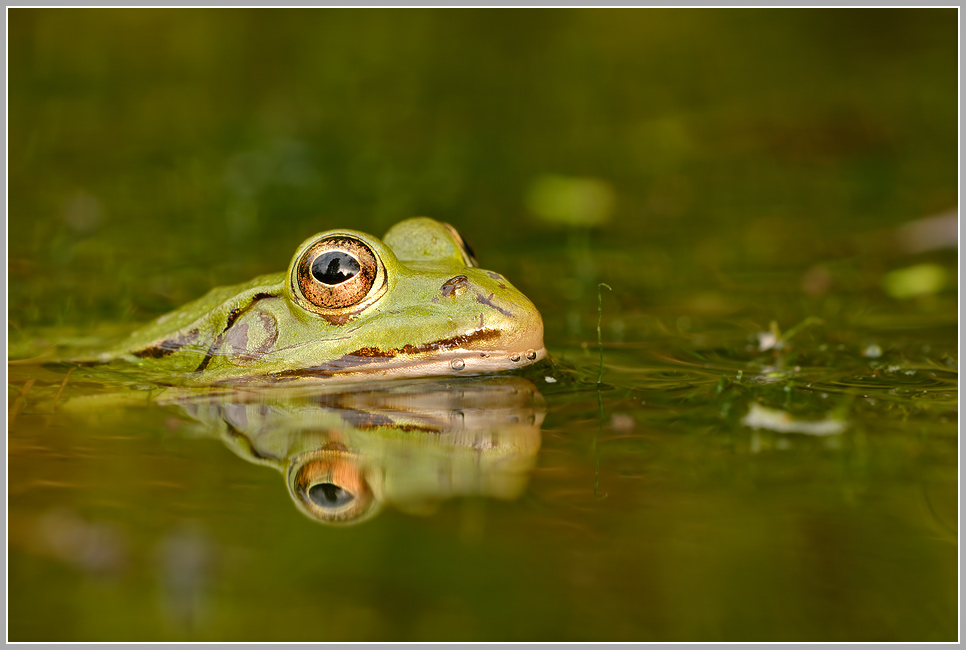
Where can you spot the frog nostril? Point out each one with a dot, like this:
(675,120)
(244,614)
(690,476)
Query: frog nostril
(454,286)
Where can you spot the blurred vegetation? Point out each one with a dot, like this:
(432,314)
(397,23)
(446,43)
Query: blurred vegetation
(154,153)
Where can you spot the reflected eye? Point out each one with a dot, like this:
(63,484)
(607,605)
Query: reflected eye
(330,486)
(334,273)
(330,495)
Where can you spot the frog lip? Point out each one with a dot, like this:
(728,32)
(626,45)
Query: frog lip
(448,363)
(472,337)
(478,351)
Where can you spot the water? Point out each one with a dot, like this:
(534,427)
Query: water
(771,452)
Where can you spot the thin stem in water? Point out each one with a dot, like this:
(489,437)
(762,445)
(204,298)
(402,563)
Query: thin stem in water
(600,375)
(600,341)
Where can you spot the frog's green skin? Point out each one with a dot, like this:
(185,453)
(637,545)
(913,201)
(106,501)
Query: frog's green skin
(430,311)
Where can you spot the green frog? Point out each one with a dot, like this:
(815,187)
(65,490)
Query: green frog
(347,450)
(350,306)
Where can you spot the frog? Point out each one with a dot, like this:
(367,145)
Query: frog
(345,451)
(412,304)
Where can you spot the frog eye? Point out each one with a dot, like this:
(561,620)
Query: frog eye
(330,496)
(335,272)
(331,487)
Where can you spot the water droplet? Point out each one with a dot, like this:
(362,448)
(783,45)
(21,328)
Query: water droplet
(457,364)
(873,351)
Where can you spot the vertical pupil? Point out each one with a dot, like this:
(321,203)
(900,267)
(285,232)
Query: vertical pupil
(334,267)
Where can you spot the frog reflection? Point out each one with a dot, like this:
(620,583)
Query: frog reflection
(347,452)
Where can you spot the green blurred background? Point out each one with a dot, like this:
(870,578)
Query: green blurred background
(154,153)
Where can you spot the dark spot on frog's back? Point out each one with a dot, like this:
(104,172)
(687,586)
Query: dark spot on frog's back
(488,301)
(452,285)
(497,276)
(168,346)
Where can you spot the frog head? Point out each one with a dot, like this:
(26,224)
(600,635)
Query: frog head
(412,304)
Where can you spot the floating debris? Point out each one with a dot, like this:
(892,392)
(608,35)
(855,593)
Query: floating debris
(622,422)
(573,201)
(913,281)
(773,339)
(99,548)
(930,233)
(762,417)
(768,340)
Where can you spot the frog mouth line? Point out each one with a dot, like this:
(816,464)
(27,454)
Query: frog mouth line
(456,357)
(435,346)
